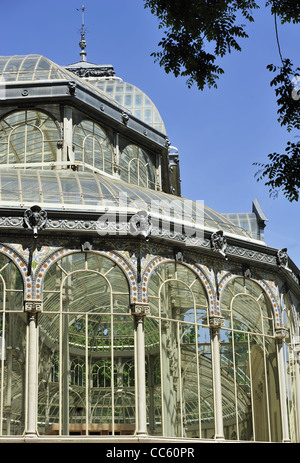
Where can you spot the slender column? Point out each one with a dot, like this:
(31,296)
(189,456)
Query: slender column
(296,354)
(280,335)
(215,325)
(140,311)
(32,308)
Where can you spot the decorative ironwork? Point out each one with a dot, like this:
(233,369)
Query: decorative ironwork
(219,242)
(140,224)
(35,218)
(283,259)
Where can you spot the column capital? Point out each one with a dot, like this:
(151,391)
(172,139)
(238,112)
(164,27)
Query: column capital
(33,306)
(140,309)
(281,333)
(216,322)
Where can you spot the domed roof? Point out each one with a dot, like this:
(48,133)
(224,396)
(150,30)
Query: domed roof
(34,67)
(134,99)
(31,68)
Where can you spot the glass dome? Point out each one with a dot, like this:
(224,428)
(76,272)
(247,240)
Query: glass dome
(31,68)
(132,98)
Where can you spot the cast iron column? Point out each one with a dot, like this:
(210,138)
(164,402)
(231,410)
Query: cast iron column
(140,311)
(281,334)
(32,308)
(215,324)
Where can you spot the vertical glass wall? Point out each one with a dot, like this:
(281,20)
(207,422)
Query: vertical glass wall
(86,380)
(178,353)
(291,366)
(28,136)
(136,166)
(13,323)
(249,364)
(93,146)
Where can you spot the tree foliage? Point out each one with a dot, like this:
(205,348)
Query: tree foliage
(197,33)
(193,27)
(282,173)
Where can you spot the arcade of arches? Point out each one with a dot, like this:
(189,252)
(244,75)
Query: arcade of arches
(107,366)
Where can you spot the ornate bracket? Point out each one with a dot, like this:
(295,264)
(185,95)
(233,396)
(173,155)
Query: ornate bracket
(219,242)
(283,259)
(35,218)
(72,88)
(125,118)
(140,224)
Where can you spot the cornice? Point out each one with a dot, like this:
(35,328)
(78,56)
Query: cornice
(57,227)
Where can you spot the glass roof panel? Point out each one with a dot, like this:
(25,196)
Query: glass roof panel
(33,67)
(19,68)
(136,101)
(87,191)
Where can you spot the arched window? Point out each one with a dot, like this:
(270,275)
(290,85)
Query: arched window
(12,349)
(249,366)
(77,372)
(93,146)
(102,374)
(177,342)
(128,374)
(28,136)
(86,321)
(137,167)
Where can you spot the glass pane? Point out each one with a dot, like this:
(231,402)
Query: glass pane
(28,136)
(12,373)
(93,146)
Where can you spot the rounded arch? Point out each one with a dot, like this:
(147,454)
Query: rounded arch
(46,264)
(209,290)
(262,284)
(93,146)
(137,166)
(29,136)
(21,265)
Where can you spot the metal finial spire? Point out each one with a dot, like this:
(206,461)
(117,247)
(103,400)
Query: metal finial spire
(82,42)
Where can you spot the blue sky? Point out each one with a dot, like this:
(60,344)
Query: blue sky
(219,133)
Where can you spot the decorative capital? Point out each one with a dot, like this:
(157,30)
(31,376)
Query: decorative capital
(33,306)
(140,310)
(216,322)
(281,333)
